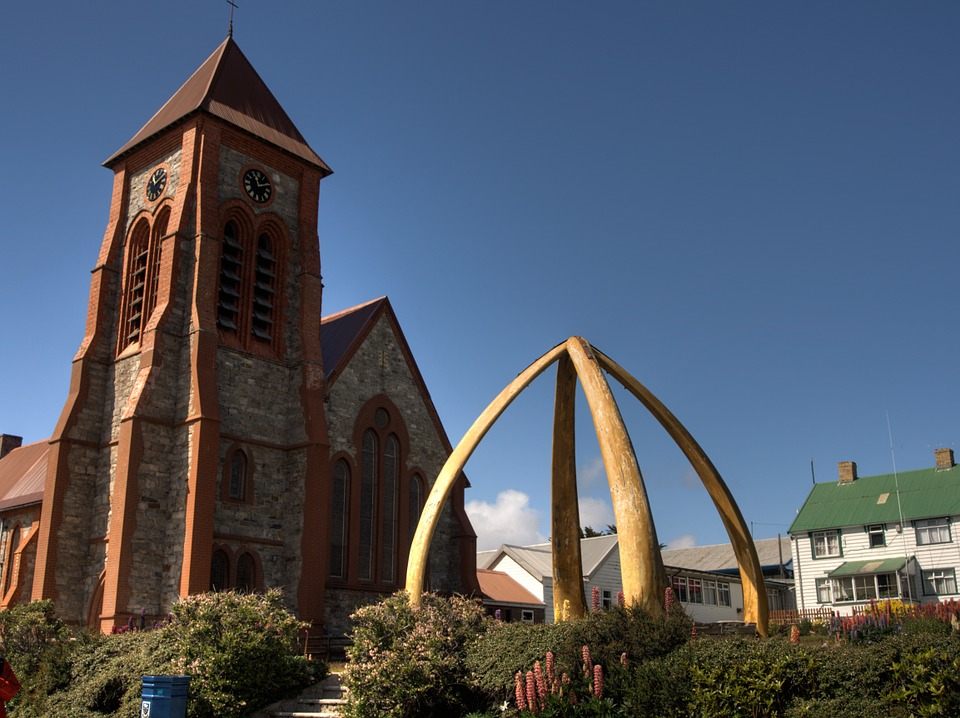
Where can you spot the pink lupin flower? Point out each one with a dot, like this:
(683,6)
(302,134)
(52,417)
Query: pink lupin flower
(693,632)
(669,600)
(541,683)
(598,681)
(518,690)
(794,634)
(621,599)
(551,672)
(531,694)
(623,659)
(595,598)
(587,661)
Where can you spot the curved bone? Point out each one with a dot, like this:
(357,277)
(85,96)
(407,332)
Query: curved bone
(751,575)
(641,564)
(420,547)
(565,512)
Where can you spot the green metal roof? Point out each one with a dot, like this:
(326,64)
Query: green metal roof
(866,568)
(925,493)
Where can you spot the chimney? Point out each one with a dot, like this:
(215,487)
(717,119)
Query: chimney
(9,442)
(847,471)
(944,459)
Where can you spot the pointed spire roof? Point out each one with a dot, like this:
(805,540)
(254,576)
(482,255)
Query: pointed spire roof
(227,86)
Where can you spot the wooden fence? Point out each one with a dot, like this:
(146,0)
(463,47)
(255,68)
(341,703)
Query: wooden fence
(791,616)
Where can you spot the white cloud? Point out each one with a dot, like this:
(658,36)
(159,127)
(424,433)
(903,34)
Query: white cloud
(510,520)
(595,513)
(591,473)
(682,541)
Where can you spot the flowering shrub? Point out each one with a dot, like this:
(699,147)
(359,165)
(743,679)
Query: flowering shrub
(240,651)
(410,662)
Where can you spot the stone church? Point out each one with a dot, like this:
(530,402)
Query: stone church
(218,433)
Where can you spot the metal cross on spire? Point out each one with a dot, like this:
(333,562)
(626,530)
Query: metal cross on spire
(233,6)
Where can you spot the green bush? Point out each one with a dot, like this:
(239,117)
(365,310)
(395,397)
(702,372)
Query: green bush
(39,647)
(409,662)
(510,647)
(240,651)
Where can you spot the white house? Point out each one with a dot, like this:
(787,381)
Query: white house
(879,537)
(705,579)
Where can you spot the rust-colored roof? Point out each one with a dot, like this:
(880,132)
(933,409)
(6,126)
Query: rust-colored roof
(498,587)
(23,473)
(227,86)
(341,333)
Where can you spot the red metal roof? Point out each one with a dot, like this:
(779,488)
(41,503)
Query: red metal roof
(498,587)
(227,86)
(340,332)
(23,473)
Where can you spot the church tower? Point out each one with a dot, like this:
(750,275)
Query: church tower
(192,451)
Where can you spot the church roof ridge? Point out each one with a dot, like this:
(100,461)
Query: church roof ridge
(227,86)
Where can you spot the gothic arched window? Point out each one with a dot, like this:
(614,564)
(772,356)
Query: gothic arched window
(388,527)
(339,507)
(231,279)
(237,481)
(219,571)
(264,289)
(415,502)
(368,503)
(246,574)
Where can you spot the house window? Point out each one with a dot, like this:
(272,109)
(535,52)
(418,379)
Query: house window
(723,594)
(710,593)
(607,600)
(932,531)
(526,615)
(824,590)
(876,536)
(864,588)
(826,544)
(695,589)
(939,581)
(219,571)
(887,585)
(679,584)
(368,502)
(237,489)
(339,506)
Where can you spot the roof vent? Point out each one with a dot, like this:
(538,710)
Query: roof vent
(944,459)
(9,442)
(847,471)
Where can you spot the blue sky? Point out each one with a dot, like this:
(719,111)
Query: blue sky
(753,207)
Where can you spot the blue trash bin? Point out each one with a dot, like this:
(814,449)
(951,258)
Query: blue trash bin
(164,696)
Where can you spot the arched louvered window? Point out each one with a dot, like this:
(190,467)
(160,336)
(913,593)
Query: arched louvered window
(368,503)
(246,574)
(219,571)
(231,279)
(264,290)
(388,526)
(339,506)
(416,502)
(135,284)
(237,488)
(153,272)
(13,541)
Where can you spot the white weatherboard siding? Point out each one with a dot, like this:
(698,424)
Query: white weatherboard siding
(520,575)
(855,546)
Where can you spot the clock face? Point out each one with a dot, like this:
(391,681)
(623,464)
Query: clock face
(156,183)
(257,185)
